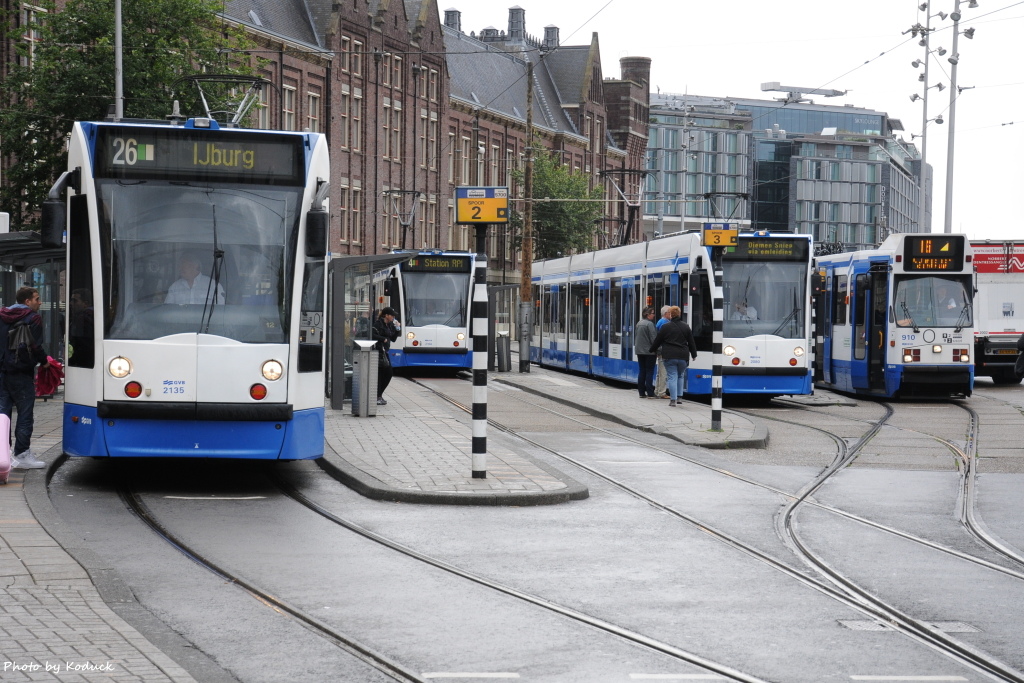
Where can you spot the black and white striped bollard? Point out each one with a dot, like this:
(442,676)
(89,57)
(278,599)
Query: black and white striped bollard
(478,312)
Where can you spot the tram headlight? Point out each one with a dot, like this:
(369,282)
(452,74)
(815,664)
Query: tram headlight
(272,370)
(798,351)
(410,335)
(908,357)
(120,367)
(460,336)
(937,348)
(729,350)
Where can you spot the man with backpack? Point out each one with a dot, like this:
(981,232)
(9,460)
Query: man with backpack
(22,351)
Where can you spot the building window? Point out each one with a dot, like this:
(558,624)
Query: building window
(355,224)
(344,102)
(263,110)
(433,86)
(356,117)
(464,175)
(385,69)
(396,72)
(344,53)
(432,142)
(451,157)
(385,127)
(356,60)
(396,131)
(30,19)
(343,217)
(313,112)
(288,107)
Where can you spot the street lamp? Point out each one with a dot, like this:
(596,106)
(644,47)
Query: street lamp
(924,32)
(954,93)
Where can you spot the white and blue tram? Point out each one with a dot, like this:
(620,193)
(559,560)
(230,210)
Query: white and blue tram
(432,292)
(196,287)
(588,305)
(897,320)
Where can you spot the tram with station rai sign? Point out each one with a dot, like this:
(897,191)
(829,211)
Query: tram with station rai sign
(897,321)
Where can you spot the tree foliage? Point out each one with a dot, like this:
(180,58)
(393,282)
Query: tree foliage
(561,227)
(71,78)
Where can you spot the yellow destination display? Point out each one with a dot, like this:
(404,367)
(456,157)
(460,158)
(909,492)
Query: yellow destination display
(481,205)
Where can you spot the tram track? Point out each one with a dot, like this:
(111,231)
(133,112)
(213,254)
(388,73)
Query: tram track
(381,663)
(835,585)
(133,501)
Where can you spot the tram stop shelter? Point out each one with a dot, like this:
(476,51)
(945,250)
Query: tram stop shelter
(351,309)
(25,262)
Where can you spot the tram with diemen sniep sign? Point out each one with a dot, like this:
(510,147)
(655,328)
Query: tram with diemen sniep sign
(897,321)
(196,288)
(432,294)
(587,307)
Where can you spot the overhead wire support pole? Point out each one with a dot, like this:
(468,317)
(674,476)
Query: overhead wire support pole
(526,259)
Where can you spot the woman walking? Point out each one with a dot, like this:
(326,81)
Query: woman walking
(675,339)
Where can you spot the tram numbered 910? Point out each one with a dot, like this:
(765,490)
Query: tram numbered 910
(196,290)
(897,320)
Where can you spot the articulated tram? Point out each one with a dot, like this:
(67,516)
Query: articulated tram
(196,288)
(588,305)
(897,320)
(432,293)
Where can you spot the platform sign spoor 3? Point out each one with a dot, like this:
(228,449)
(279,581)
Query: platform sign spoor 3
(474,205)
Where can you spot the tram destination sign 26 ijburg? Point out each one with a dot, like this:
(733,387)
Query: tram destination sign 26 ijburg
(476,205)
(174,153)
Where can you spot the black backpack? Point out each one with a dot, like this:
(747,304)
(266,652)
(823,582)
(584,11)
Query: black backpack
(22,352)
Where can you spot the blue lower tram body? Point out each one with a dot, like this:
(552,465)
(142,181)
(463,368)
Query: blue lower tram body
(431,359)
(698,380)
(88,435)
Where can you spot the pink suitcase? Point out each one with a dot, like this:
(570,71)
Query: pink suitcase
(5,448)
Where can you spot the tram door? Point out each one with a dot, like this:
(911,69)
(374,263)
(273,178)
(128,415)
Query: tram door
(602,322)
(871,296)
(628,317)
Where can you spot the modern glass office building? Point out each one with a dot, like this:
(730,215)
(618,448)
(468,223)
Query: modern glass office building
(840,173)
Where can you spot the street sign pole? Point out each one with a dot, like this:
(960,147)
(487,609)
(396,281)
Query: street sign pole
(480,207)
(717,236)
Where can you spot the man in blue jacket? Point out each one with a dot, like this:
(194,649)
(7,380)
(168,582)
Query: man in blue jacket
(21,354)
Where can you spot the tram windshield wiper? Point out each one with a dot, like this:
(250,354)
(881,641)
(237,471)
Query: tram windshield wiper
(906,311)
(787,320)
(965,317)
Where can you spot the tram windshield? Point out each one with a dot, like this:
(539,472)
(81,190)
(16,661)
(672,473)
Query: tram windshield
(435,299)
(197,257)
(932,301)
(765,298)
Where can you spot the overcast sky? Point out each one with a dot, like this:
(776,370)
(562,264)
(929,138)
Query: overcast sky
(730,47)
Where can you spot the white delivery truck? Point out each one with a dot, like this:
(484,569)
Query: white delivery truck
(998,308)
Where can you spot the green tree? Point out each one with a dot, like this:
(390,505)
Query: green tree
(562,227)
(70,77)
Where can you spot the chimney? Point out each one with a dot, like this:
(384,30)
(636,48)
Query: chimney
(516,24)
(453,19)
(551,39)
(636,69)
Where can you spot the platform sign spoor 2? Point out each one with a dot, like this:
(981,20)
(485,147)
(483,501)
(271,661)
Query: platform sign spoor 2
(474,205)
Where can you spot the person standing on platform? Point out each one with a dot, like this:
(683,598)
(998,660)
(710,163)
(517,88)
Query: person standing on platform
(645,334)
(679,345)
(660,390)
(385,330)
(21,347)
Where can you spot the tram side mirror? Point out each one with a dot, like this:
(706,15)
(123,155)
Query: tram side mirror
(55,216)
(317,223)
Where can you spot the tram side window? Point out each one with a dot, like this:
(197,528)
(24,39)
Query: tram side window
(615,320)
(537,310)
(839,302)
(859,321)
(700,294)
(579,311)
(81,323)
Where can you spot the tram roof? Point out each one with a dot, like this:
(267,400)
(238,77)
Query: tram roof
(22,250)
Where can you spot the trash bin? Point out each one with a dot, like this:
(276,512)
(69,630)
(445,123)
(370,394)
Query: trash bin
(364,378)
(503,347)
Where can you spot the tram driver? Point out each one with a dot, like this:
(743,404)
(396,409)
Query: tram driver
(192,287)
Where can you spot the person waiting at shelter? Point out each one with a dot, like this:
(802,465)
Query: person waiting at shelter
(385,330)
(21,350)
